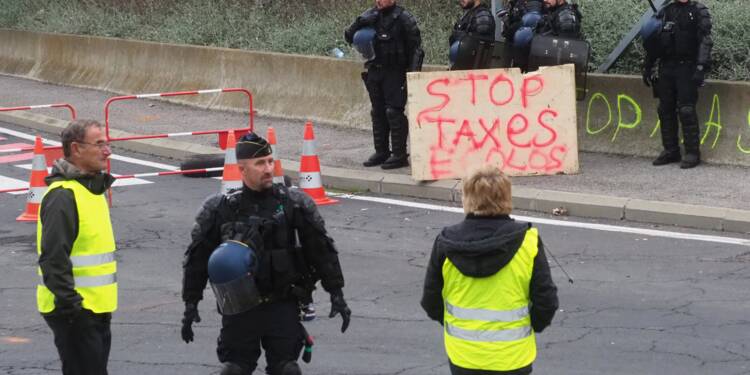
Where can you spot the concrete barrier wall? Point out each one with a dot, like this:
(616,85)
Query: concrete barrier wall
(618,116)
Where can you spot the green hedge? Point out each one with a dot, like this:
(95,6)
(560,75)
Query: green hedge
(315,26)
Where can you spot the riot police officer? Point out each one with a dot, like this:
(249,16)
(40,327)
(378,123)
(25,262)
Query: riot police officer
(520,18)
(682,45)
(561,19)
(396,49)
(476,27)
(291,250)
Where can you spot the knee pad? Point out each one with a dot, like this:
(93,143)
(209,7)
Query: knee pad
(231,368)
(290,368)
(686,111)
(394,115)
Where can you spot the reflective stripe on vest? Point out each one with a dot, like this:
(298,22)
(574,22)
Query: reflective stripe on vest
(92,255)
(487,323)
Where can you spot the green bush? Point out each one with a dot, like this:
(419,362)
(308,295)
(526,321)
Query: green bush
(315,27)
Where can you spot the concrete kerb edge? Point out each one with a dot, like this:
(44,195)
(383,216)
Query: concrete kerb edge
(530,199)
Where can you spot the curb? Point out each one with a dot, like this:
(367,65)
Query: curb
(528,199)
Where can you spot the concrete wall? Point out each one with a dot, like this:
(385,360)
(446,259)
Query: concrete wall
(618,116)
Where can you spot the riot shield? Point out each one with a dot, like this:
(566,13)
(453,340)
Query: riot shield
(552,50)
(472,53)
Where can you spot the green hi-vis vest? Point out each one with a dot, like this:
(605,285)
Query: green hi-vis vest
(92,256)
(487,323)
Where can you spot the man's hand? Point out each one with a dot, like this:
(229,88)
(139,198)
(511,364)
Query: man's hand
(648,75)
(338,306)
(190,316)
(699,77)
(368,18)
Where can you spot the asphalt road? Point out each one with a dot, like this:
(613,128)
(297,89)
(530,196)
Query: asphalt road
(640,304)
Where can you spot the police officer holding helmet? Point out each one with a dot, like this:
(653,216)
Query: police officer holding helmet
(681,43)
(562,19)
(477,28)
(263,247)
(388,37)
(520,18)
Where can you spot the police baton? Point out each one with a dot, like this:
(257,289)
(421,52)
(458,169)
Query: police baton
(650,2)
(549,251)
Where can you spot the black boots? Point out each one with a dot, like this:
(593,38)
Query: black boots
(396,161)
(667,157)
(690,161)
(376,159)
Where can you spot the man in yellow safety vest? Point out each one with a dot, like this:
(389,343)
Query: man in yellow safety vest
(488,283)
(77,291)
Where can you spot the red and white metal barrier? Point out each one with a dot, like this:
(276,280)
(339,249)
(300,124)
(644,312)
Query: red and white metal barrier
(30,107)
(221,132)
(140,175)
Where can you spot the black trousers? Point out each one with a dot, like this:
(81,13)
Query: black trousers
(83,342)
(274,326)
(678,94)
(387,90)
(455,370)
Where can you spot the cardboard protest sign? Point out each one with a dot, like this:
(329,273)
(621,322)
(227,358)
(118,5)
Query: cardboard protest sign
(523,123)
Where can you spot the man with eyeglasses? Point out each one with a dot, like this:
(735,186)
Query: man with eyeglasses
(77,290)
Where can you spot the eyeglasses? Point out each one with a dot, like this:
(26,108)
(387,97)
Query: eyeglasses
(100,145)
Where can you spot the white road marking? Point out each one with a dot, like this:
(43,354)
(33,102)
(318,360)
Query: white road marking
(114,157)
(560,223)
(12,183)
(433,207)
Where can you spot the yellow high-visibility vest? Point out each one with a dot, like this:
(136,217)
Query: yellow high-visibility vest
(487,325)
(93,253)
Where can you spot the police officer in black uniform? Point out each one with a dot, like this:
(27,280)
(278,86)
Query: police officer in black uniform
(561,19)
(512,18)
(475,29)
(398,50)
(269,218)
(684,54)
(477,21)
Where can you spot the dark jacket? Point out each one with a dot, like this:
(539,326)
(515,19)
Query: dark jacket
(59,217)
(480,246)
(563,21)
(304,222)
(398,41)
(689,36)
(477,21)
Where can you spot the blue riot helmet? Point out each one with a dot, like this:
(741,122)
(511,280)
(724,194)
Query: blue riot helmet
(650,27)
(523,37)
(650,35)
(231,270)
(531,19)
(364,42)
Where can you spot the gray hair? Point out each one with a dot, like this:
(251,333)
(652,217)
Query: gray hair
(76,132)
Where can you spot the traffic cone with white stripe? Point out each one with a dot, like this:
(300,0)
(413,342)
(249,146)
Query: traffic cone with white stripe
(309,170)
(278,172)
(37,186)
(231,178)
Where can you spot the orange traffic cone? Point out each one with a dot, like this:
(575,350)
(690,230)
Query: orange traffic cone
(37,186)
(278,172)
(231,178)
(309,170)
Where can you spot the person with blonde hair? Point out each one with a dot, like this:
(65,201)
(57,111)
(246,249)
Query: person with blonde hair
(488,282)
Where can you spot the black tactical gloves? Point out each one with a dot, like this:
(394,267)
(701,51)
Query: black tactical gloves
(367,18)
(190,316)
(338,306)
(699,77)
(648,75)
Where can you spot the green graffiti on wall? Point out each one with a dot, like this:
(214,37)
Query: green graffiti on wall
(710,124)
(739,138)
(602,97)
(636,110)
